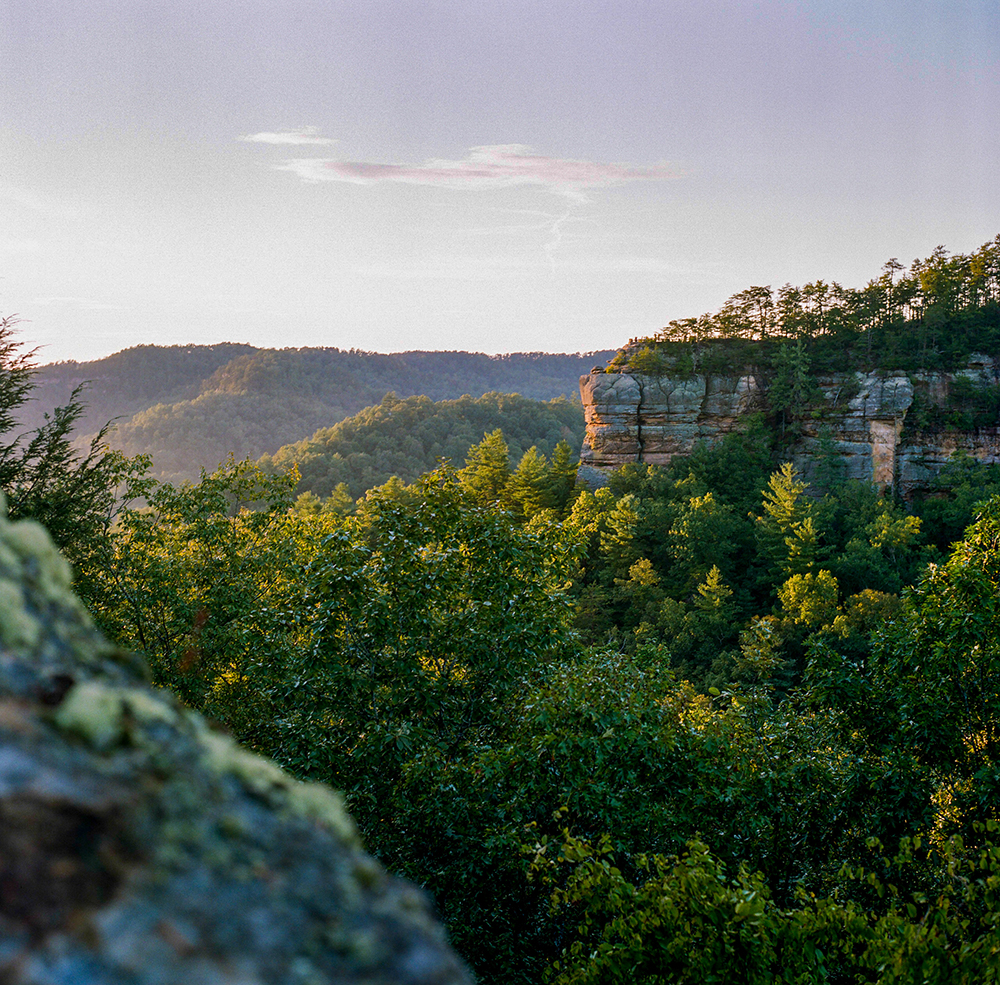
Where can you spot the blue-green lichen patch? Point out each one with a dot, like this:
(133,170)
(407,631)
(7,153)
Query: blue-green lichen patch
(19,627)
(95,712)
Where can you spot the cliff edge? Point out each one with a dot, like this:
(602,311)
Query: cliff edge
(864,421)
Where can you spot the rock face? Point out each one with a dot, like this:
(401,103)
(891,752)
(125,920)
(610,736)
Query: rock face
(138,846)
(859,420)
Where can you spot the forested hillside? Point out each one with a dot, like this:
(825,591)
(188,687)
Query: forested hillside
(128,381)
(190,407)
(406,438)
(702,724)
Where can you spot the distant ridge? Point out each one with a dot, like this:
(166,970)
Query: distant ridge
(189,407)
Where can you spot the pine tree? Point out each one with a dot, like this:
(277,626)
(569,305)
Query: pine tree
(562,475)
(528,490)
(786,534)
(72,493)
(487,468)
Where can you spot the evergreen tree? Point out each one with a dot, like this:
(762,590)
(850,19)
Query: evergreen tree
(793,384)
(42,475)
(487,468)
(562,475)
(787,536)
(529,490)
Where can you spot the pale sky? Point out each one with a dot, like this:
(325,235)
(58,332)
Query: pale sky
(474,174)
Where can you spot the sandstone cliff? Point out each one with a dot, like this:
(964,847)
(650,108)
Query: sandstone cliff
(864,420)
(139,846)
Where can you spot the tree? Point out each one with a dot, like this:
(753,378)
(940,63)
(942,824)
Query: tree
(43,476)
(793,384)
(809,599)
(529,489)
(689,918)
(200,580)
(786,534)
(487,468)
(816,296)
(701,539)
(562,475)
(791,314)
(755,308)
(891,267)
(941,663)
(426,615)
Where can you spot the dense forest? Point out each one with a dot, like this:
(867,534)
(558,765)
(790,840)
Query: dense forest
(190,407)
(601,750)
(703,724)
(931,316)
(405,438)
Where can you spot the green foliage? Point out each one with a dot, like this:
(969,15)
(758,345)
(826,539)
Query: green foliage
(933,316)
(793,384)
(130,381)
(700,539)
(693,726)
(528,490)
(686,918)
(735,469)
(703,793)
(951,503)
(971,404)
(198,580)
(810,599)
(942,664)
(787,535)
(43,475)
(409,437)
(650,360)
(873,543)
(487,468)
(427,616)
(587,741)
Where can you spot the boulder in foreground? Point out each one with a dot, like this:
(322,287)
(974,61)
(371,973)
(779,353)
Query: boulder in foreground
(139,846)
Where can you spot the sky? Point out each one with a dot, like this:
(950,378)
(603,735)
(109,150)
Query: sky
(487,175)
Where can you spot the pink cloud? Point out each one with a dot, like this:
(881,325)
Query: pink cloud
(497,166)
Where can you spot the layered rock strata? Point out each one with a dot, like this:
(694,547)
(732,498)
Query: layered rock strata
(139,846)
(858,422)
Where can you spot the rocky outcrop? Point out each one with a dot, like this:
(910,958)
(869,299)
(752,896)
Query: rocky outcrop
(860,421)
(633,417)
(139,846)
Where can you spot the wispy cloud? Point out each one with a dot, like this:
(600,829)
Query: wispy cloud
(302,135)
(495,166)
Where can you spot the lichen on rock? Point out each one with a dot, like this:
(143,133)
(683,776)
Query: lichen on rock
(139,846)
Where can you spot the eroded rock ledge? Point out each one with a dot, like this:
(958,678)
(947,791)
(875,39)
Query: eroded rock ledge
(139,846)
(860,419)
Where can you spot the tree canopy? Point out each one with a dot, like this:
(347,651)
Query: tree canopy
(930,316)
